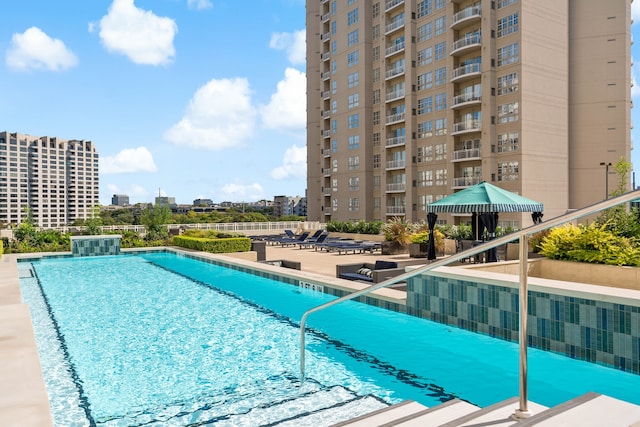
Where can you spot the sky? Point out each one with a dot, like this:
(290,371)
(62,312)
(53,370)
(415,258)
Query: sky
(183,98)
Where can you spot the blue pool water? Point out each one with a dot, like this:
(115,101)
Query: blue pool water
(135,339)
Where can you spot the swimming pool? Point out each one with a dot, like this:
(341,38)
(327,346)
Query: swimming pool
(162,337)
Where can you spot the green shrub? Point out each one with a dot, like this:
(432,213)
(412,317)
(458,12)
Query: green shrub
(215,245)
(360,227)
(590,243)
(398,231)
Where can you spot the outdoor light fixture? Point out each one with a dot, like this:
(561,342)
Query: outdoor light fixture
(606,178)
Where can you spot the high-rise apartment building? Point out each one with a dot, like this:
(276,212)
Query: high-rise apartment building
(410,101)
(54,180)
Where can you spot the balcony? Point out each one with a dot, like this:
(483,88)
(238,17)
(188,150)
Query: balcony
(399,187)
(396,141)
(465,72)
(326,152)
(394,26)
(466,43)
(397,94)
(391,4)
(326,75)
(325,56)
(465,99)
(396,164)
(398,47)
(396,210)
(326,133)
(326,114)
(395,118)
(325,37)
(466,127)
(326,171)
(394,72)
(325,17)
(326,94)
(327,192)
(466,181)
(466,16)
(469,154)
(326,210)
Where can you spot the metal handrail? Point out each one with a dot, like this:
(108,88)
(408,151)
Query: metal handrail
(523,234)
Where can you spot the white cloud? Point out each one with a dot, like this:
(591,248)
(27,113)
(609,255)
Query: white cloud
(287,108)
(635,10)
(143,37)
(129,160)
(239,192)
(220,115)
(35,50)
(199,4)
(134,190)
(293,43)
(294,164)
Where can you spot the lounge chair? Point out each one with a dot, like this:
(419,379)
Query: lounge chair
(368,272)
(311,242)
(287,241)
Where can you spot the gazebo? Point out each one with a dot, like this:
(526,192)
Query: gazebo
(482,201)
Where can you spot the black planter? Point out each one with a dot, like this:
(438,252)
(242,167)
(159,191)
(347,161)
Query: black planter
(393,248)
(418,250)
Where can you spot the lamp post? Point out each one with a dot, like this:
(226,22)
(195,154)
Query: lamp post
(606,178)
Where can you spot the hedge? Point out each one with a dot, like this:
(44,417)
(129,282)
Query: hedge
(216,246)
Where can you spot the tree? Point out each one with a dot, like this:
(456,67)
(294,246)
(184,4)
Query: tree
(154,219)
(618,219)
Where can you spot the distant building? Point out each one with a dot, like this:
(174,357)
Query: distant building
(203,202)
(285,205)
(57,180)
(120,200)
(169,202)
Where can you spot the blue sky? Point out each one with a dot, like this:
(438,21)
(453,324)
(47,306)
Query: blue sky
(192,98)
(189,98)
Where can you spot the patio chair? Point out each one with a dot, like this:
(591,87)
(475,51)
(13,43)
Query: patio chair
(287,241)
(369,272)
(310,242)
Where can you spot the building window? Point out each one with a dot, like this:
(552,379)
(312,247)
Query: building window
(439,4)
(376,96)
(375,77)
(376,204)
(508,142)
(441,152)
(352,16)
(376,32)
(425,179)
(440,51)
(508,171)
(354,204)
(508,83)
(334,106)
(352,38)
(441,177)
(508,112)
(352,59)
(354,183)
(334,87)
(425,105)
(334,47)
(376,10)
(376,139)
(507,54)
(424,32)
(425,81)
(354,163)
(441,101)
(425,154)
(376,118)
(334,67)
(353,100)
(425,129)
(505,3)
(353,121)
(376,161)
(375,53)
(334,204)
(334,165)
(425,56)
(441,25)
(424,8)
(441,76)
(354,142)
(508,25)
(334,182)
(334,27)
(441,127)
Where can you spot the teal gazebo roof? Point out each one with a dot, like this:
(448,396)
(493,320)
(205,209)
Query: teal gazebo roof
(484,197)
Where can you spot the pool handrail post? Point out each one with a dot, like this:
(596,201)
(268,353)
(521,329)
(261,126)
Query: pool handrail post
(523,411)
(523,269)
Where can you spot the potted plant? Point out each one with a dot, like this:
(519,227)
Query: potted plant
(419,245)
(397,236)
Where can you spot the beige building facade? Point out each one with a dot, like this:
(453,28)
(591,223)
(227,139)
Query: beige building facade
(410,101)
(57,180)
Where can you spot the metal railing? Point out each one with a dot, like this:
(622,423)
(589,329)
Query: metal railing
(523,235)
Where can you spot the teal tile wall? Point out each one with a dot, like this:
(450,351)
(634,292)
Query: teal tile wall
(94,247)
(584,329)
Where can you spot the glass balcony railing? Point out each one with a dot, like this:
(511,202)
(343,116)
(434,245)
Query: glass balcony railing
(466,71)
(474,40)
(465,15)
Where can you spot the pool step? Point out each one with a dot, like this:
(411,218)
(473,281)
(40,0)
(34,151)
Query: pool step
(588,410)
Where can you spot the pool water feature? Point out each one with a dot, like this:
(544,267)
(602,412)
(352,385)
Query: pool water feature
(161,339)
